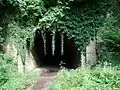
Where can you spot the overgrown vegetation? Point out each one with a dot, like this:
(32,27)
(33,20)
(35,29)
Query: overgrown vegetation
(10,78)
(99,78)
(80,20)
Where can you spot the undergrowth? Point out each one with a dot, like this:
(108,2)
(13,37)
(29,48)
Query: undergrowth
(10,78)
(99,78)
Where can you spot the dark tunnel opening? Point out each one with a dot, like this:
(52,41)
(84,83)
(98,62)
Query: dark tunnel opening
(68,58)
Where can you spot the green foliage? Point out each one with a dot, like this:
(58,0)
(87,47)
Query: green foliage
(106,78)
(109,37)
(110,31)
(80,22)
(6,66)
(51,17)
(10,79)
(20,34)
(80,26)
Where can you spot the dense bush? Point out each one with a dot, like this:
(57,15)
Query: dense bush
(99,78)
(10,79)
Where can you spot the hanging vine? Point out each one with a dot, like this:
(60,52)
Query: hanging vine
(44,40)
(62,44)
(53,42)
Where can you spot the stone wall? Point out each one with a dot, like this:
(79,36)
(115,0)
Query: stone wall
(91,53)
(30,62)
(90,58)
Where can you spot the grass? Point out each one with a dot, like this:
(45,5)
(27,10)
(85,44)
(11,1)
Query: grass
(99,78)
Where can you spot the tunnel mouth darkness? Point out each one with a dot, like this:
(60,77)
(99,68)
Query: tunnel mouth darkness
(43,52)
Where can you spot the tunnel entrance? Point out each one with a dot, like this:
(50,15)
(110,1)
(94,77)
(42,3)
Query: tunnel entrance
(43,51)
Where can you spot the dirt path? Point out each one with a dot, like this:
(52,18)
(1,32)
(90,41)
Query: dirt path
(47,75)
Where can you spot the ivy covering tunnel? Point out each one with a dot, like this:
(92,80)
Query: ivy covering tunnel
(54,50)
(80,20)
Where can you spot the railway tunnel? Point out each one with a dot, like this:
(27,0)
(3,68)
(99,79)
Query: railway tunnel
(43,52)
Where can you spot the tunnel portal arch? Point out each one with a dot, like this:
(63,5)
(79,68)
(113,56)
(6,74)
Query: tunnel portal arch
(64,55)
